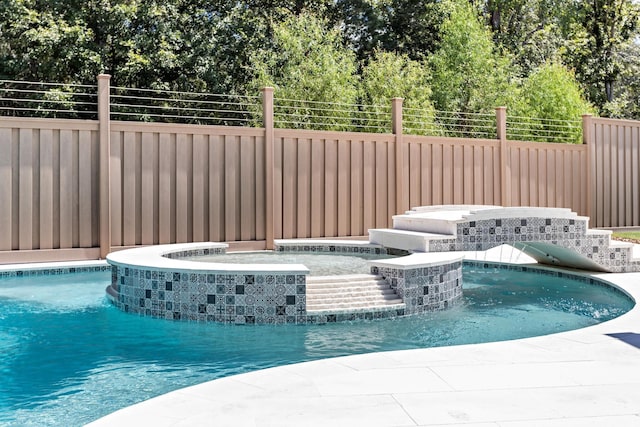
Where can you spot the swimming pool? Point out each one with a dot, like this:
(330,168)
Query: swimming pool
(68,357)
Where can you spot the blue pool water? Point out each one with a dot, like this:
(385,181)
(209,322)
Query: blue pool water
(67,357)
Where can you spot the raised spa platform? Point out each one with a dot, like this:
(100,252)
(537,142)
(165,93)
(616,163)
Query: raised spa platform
(553,236)
(156,281)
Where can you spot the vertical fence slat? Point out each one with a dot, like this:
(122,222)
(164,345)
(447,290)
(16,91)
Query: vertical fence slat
(303,202)
(260,190)
(26,189)
(183,170)
(46,189)
(438,172)
(66,189)
(477,181)
(247,188)
(515,178)
(458,169)
(129,196)
(344,189)
(628,212)
(289,187)
(232,188)
(317,188)
(426,181)
(381,185)
(533,177)
(331,188)
(357,202)
(369,185)
(216,188)
(85,177)
(166,171)
(199,188)
(149,191)
(277,188)
(6,184)
(415,176)
(447,175)
(116,188)
(542,178)
(635,179)
(491,189)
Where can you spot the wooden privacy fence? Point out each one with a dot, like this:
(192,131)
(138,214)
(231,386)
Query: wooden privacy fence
(77,189)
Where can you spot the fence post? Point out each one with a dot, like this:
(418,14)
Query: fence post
(587,139)
(505,163)
(104,123)
(396,127)
(267,119)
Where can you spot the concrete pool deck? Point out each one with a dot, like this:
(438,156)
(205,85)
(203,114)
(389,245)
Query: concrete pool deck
(587,377)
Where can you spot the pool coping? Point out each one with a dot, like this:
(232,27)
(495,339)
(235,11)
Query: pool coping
(585,377)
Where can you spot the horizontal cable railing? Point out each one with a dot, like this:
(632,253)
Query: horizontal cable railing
(317,115)
(49,100)
(449,123)
(56,100)
(544,130)
(150,105)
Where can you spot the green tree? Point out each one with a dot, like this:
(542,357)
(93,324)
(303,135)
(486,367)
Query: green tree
(391,75)
(602,29)
(314,76)
(530,30)
(551,108)
(628,100)
(469,76)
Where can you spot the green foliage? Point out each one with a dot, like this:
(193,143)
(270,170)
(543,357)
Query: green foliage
(309,63)
(469,76)
(553,97)
(478,50)
(627,101)
(595,41)
(391,75)
(530,30)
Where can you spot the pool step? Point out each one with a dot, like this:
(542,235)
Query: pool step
(350,292)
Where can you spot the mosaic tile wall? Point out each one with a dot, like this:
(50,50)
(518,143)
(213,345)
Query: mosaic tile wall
(427,288)
(54,271)
(228,298)
(196,252)
(331,248)
(567,233)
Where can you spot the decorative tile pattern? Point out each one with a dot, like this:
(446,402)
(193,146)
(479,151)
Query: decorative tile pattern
(171,295)
(564,232)
(432,288)
(53,271)
(330,248)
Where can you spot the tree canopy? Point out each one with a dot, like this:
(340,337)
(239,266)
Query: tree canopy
(476,53)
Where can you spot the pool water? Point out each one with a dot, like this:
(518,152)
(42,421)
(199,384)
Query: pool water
(319,264)
(68,357)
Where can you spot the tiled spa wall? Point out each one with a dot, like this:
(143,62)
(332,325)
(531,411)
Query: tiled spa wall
(564,232)
(239,298)
(426,288)
(319,247)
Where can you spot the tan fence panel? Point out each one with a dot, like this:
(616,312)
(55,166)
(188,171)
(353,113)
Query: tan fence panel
(449,170)
(48,185)
(615,159)
(549,175)
(182,183)
(332,184)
